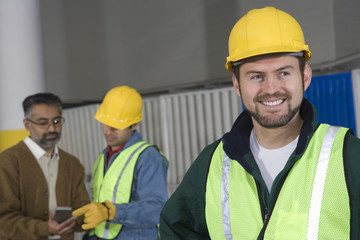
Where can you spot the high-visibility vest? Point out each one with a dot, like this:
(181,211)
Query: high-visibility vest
(313,202)
(115,186)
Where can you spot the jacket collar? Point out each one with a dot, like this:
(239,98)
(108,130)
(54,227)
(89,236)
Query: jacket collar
(135,138)
(236,143)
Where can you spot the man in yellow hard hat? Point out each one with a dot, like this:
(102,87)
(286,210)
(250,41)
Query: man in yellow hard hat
(278,173)
(128,177)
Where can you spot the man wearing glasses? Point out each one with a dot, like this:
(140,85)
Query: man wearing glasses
(36,177)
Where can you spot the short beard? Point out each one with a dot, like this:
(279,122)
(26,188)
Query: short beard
(46,143)
(275,123)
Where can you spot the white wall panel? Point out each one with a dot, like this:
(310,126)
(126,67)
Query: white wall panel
(82,135)
(181,125)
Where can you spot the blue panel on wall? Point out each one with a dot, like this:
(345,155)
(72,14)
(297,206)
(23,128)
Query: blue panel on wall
(333,97)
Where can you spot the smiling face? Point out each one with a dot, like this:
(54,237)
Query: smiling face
(272,89)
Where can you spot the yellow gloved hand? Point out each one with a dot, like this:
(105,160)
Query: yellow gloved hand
(95,213)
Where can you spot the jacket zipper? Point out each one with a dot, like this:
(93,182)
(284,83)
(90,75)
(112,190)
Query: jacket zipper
(267,211)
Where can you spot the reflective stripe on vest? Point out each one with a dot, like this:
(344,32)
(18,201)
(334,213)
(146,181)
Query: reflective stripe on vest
(115,185)
(224,191)
(319,183)
(321,198)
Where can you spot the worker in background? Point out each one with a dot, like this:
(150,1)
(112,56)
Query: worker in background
(36,176)
(129,176)
(278,173)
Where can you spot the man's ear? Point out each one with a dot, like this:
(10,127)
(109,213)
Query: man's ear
(26,124)
(236,85)
(307,76)
(134,126)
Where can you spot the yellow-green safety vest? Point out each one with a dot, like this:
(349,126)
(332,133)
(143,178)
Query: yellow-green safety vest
(115,186)
(313,202)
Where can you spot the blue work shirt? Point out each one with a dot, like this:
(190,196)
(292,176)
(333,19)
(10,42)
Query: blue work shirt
(141,215)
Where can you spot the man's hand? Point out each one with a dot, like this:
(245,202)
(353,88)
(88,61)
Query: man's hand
(66,227)
(95,213)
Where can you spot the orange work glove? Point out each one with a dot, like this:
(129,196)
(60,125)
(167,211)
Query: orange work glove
(95,213)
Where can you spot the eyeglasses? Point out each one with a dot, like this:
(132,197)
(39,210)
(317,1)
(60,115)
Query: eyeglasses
(45,123)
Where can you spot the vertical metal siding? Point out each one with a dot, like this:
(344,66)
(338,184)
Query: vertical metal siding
(181,125)
(332,96)
(356,95)
(185,123)
(82,136)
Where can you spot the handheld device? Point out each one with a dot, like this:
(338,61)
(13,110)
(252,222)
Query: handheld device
(62,213)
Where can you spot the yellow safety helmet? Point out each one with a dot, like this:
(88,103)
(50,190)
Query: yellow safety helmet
(121,108)
(264,31)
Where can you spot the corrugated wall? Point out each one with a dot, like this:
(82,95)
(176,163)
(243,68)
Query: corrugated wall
(356,95)
(183,124)
(180,124)
(333,97)
(82,136)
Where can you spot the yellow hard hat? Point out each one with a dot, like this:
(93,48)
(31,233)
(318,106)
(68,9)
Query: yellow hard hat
(264,31)
(121,108)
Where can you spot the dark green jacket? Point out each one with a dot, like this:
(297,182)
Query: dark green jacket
(183,216)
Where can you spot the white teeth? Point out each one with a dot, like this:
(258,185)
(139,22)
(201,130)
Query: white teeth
(273,103)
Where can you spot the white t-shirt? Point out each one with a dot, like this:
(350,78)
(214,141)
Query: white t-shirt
(270,161)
